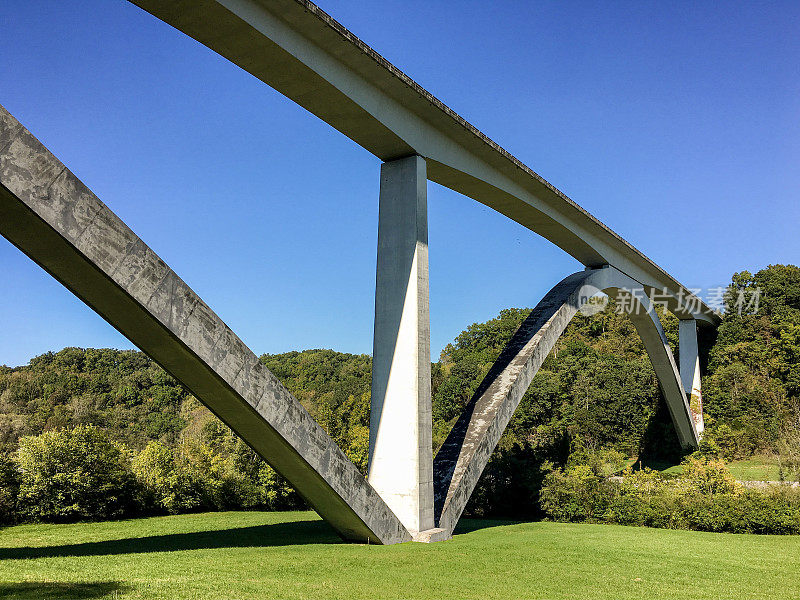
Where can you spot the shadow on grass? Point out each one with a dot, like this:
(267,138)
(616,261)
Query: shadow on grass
(279,534)
(470,525)
(31,590)
(655,464)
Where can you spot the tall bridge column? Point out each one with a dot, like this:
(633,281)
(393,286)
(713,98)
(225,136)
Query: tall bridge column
(690,369)
(400,454)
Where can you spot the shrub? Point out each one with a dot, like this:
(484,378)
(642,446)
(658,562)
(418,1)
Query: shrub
(576,494)
(214,474)
(167,485)
(193,476)
(709,476)
(278,494)
(78,474)
(705,498)
(9,488)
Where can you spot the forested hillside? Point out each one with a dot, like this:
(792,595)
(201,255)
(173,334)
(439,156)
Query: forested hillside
(751,389)
(596,391)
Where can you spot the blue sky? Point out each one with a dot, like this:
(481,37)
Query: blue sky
(677,124)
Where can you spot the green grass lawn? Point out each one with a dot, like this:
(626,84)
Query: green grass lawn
(755,468)
(759,468)
(258,555)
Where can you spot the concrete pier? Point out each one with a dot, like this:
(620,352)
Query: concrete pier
(690,369)
(400,454)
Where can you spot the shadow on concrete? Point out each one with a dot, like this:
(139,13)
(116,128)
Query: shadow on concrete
(30,590)
(279,534)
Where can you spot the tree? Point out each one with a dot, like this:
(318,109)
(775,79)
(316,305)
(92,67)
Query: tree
(9,489)
(77,474)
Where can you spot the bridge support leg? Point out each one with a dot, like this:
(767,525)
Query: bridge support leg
(400,453)
(690,369)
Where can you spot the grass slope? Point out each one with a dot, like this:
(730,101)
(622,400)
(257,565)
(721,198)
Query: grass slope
(253,555)
(755,468)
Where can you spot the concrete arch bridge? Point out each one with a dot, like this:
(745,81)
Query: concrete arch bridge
(302,52)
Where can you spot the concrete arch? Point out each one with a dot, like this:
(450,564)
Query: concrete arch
(51,216)
(463,456)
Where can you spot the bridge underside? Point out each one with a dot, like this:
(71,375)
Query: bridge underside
(299,50)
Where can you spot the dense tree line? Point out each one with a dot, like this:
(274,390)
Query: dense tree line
(596,392)
(124,392)
(752,388)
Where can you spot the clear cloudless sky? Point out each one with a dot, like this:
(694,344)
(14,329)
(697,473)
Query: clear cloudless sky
(675,123)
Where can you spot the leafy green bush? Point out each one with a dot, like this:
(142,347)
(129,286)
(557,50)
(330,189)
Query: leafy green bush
(705,498)
(9,489)
(77,474)
(574,494)
(278,494)
(167,485)
(708,476)
(193,476)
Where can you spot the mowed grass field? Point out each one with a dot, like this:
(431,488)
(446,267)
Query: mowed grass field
(258,555)
(755,468)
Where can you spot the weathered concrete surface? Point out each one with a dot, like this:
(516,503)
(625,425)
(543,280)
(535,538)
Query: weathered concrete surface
(57,221)
(295,47)
(400,457)
(461,459)
(436,534)
(690,370)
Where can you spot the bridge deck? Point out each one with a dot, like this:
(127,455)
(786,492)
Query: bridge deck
(302,52)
